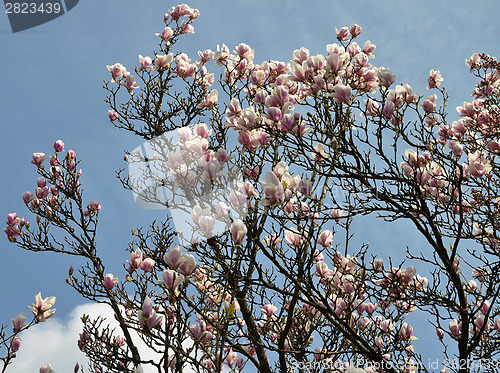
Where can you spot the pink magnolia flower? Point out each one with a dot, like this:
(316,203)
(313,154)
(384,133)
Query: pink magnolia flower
(166,34)
(187,28)
(19,322)
(455,329)
(368,48)
(173,258)
(429,105)
(146,62)
(59,146)
(434,79)
(341,93)
(184,10)
(336,214)
(15,344)
(378,264)
(355,30)
(244,51)
(28,197)
(385,77)
(42,307)
(46,369)
(130,83)
(147,315)
(113,115)
(342,34)
(94,206)
(147,264)
(117,71)
(238,231)
(494,147)
(273,188)
(38,159)
(221,55)
(136,258)
(188,265)
(406,332)
(164,61)
(388,109)
(206,224)
(209,100)
(440,333)
(496,324)
(171,280)
(269,310)
(325,238)
(479,165)
(294,238)
(110,281)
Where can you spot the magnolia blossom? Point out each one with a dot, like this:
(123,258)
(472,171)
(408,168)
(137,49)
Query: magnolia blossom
(38,159)
(188,265)
(130,84)
(147,315)
(325,238)
(15,343)
(434,79)
(171,280)
(479,165)
(59,146)
(136,258)
(117,71)
(455,329)
(341,93)
(163,61)
(174,258)
(42,307)
(406,332)
(385,77)
(19,322)
(166,34)
(113,115)
(147,264)
(294,237)
(342,34)
(273,188)
(238,231)
(146,62)
(109,281)
(46,369)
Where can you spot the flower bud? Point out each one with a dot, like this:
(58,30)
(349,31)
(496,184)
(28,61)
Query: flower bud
(15,343)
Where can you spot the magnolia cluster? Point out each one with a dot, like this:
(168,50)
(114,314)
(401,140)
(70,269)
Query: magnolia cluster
(193,164)
(477,129)
(42,310)
(222,309)
(47,192)
(482,323)
(14,226)
(346,294)
(431,177)
(181,265)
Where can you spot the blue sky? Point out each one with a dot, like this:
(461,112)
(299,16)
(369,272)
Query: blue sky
(52,77)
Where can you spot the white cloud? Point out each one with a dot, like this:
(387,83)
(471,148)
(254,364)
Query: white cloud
(55,342)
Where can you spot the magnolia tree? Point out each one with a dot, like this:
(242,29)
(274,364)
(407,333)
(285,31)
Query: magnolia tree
(261,273)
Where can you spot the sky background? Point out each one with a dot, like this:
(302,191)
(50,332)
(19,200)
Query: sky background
(52,89)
